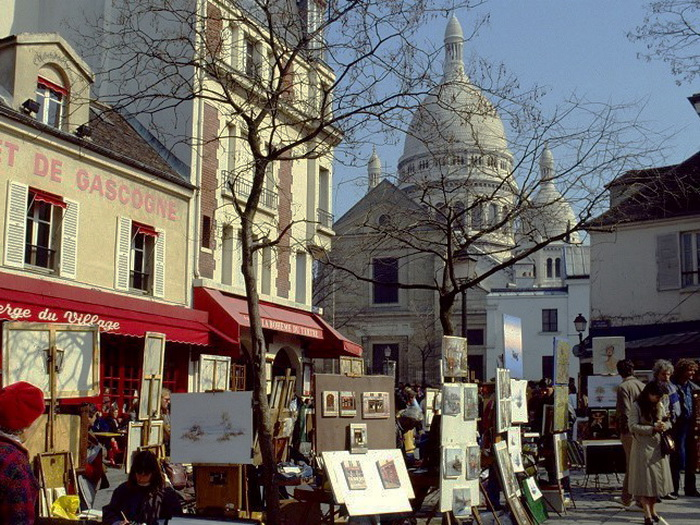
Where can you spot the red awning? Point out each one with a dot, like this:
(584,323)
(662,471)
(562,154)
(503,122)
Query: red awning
(35,300)
(229,314)
(49,198)
(144,229)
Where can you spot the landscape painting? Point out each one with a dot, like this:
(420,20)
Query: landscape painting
(454,356)
(471,401)
(451,399)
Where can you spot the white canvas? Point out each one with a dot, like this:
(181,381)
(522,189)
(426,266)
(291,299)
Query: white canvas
(602,391)
(513,345)
(607,351)
(214,373)
(518,399)
(133,439)
(214,428)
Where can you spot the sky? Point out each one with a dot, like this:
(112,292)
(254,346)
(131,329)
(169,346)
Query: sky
(567,46)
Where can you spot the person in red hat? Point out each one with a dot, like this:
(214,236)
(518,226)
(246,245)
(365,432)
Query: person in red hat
(20,405)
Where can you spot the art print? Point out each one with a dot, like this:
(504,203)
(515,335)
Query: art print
(375,405)
(513,345)
(451,399)
(518,398)
(602,391)
(503,416)
(607,351)
(330,403)
(388,474)
(357,367)
(515,448)
(431,406)
(505,468)
(348,404)
(561,408)
(454,356)
(345,366)
(358,438)
(354,476)
(502,384)
(453,462)
(562,357)
(473,462)
(461,502)
(471,402)
(598,422)
(561,456)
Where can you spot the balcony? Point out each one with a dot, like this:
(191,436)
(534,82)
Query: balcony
(243,186)
(324,218)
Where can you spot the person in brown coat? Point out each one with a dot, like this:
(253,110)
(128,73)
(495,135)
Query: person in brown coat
(649,470)
(627,394)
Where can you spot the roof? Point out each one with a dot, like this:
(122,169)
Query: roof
(657,193)
(577,259)
(113,137)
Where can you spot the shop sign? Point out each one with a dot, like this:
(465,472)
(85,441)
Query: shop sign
(48,315)
(290,328)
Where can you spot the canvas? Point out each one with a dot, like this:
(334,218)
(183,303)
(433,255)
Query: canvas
(453,462)
(348,404)
(513,345)
(518,511)
(214,428)
(509,483)
(602,391)
(562,358)
(461,502)
(598,422)
(607,351)
(388,474)
(515,448)
(451,399)
(214,373)
(561,408)
(375,405)
(547,420)
(358,438)
(330,403)
(471,401)
(561,456)
(503,416)
(431,398)
(306,380)
(518,397)
(502,384)
(612,423)
(454,356)
(134,436)
(473,462)
(354,476)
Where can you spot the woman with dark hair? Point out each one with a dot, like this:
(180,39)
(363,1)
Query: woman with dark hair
(649,469)
(144,498)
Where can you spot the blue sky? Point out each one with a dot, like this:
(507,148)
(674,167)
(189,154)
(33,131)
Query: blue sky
(567,46)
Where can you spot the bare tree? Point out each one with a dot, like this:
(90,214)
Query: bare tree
(671,32)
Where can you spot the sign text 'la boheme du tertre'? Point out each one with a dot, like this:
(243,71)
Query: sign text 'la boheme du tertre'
(112,189)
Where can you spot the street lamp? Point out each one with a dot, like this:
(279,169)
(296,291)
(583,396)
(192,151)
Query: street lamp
(695,102)
(389,363)
(580,323)
(465,268)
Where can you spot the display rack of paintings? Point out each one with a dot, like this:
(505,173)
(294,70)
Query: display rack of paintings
(607,351)
(518,393)
(432,398)
(561,408)
(454,356)
(348,404)
(503,400)
(515,448)
(358,438)
(375,405)
(602,391)
(562,357)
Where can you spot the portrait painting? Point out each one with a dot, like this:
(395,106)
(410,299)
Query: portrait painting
(461,502)
(453,462)
(451,399)
(471,401)
(348,404)
(354,476)
(598,422)
(388,474)
(454,356)
(607,351)
(375,405)
(358,438)
(473,462)
(330,403)
(518,398)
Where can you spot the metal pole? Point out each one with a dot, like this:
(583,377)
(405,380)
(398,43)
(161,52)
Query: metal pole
(464,313)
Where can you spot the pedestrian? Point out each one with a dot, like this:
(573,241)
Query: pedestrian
(649,469)
(682,459)
(662,373)
(20,405)
(165,415)
(627,394)
(143,498)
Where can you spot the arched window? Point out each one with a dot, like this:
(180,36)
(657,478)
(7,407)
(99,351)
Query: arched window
(52,96)
(549,268)
(477,217)
(493,214)
(557,267)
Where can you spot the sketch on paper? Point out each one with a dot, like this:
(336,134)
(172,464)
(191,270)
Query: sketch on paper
(348,404)
(473,462)
(454,356)
(461,502)
(607,351)
(471,401)
(504,417)
(354,476)
(215,428)
(602,391)
(453,465)
(451,399)
(515,448)
(518,397)
(375,405)
(330,403)
(388,474)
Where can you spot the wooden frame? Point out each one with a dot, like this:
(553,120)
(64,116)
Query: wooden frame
(220,378)
(56,471)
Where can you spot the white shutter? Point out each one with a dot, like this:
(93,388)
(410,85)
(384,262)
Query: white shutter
(69,241)
(668,267)
(159,265)
(122,264)
(16,223)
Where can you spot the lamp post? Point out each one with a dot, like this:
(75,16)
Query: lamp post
(389,364)
(580,323)
(465,264)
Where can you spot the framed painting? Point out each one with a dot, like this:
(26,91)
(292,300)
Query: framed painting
(375,405)
(451,399)
(388,474)
(473,462)
(330,403)
(454,356)
(502,384)
(453,462)
(358,438)
(431,407)
(513,345)
(561,456)
(602,391)
(348,403)
(515,447)
(509,482)
(517,509)
(518,398)
(607,351)
(354,475)
(561,408)
(471,401)
(461,502)
(562,358)
(503,415)
(345,365)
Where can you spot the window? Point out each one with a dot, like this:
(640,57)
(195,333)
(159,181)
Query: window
(549,320)
(557,267)
(300,293)
(314,21)
(475,336)
(493,214)
(549,268)
(206,232)
(477,217)
(51,98)
(227,255)
(266,276)
(142,244)
(252,58)
(385,271)
(44,213)
(140,258)
(230,152)
(690,259)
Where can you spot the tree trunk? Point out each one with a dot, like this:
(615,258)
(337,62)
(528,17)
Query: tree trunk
(447,301)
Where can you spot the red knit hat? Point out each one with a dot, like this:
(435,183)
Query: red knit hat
(20,405)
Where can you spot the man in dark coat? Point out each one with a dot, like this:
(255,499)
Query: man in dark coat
(627,394)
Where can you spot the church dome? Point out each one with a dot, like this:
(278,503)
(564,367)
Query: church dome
(455,115)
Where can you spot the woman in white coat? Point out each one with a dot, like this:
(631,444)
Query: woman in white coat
(649,470)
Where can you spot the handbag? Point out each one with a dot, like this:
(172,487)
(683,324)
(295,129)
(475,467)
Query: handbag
(177,474)
(668,444)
